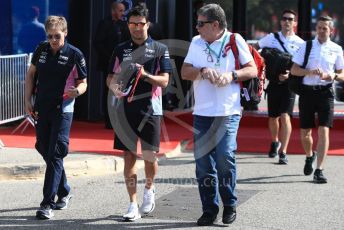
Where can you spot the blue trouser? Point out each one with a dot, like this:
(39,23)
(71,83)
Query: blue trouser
(214,149)
(52,140)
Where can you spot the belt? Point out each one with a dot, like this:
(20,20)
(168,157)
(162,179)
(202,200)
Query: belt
(317,87)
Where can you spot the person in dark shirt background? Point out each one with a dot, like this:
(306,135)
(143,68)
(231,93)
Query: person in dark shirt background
(32,32)
(111,31)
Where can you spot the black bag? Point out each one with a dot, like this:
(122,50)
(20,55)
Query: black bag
(295,82)
(277,62)
(339,91)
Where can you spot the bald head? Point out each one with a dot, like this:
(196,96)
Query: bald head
(117,10)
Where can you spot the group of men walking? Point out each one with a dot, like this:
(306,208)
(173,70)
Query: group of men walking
(324,65)
(139,68)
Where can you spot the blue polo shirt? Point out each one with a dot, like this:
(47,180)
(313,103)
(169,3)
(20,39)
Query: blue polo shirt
(155,58)
(55,75)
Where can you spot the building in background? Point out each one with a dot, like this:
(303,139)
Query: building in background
(176,19)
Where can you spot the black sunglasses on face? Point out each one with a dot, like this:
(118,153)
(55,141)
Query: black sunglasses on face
(202,23)
(287,19)
(55,36)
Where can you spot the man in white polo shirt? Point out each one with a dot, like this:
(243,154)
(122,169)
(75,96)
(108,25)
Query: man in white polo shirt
(325,64)
(280,98)
(217,110)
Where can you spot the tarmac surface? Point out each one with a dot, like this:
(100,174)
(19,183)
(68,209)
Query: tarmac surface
(271,196)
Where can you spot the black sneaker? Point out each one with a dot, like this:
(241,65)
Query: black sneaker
(308,169)
(319,177)
(275,146)
(44,212)
(283,160)
(229,214)
(206,219)
(62,203)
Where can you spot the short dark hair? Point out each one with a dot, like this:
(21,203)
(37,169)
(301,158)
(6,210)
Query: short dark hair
(214,12)
(326,18)
(289,11)
(140,11)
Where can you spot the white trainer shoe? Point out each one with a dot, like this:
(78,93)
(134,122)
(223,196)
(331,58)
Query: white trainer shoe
(148,203)
(132,213)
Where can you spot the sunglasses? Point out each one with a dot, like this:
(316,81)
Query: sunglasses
(54,36)
(287,19)
(202,23)
(137,24)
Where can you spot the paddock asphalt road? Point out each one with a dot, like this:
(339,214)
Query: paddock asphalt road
(271,196)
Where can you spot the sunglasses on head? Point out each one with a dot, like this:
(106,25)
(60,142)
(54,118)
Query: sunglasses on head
(202,23)
(55,36)
(137,24)
(287,19)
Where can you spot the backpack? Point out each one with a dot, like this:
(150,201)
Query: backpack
(295,82)
(277,62)
(250,90)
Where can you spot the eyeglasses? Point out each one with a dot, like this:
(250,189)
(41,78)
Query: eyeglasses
(287,19)
(55,36)
(137,24)
(202,23)
(209,56)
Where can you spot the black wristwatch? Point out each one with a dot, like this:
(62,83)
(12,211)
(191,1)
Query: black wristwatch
(235,76)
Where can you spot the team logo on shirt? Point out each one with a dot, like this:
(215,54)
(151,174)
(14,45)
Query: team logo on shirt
(43,57)
(167,54)
(83,62)
(62,60)
(149,53)
(127,56)
(126,51)
(65,58)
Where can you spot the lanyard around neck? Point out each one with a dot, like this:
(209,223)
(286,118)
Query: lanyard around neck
(218,56)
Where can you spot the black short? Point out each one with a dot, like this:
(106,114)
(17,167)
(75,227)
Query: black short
(316,101)
(280,100)
(134,126)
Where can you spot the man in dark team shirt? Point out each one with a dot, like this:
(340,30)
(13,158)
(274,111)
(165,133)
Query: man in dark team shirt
(111,31)
(57,75)
(139,69)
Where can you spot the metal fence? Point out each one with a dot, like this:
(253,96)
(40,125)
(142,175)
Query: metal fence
(13,69)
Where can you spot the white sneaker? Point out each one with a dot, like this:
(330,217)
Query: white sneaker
(132,213)
(148,203)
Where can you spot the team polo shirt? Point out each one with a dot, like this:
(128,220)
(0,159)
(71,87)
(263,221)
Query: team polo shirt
(327,56)
(211,100)
(291,43)
(155,58)
(56,74)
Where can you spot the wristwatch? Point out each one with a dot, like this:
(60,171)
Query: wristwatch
(235,76)
(335,77)
(201,72)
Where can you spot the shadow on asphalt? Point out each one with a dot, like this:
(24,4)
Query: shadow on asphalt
(259,180)
(30,222)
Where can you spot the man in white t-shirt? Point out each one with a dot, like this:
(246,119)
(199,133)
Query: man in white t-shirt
(217,110)
(280,98)
(325,64)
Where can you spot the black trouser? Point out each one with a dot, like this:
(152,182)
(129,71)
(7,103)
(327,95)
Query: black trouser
(52,134)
